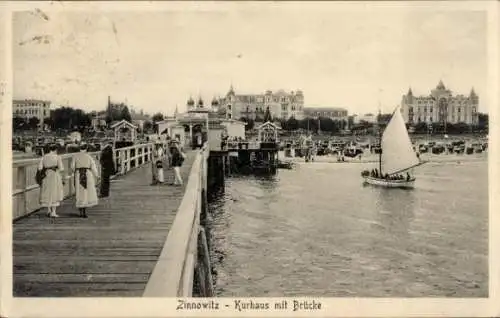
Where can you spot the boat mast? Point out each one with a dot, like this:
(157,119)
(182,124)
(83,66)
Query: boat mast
(379,140)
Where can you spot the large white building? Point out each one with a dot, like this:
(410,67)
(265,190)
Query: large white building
(281,104)
(29,108)
(334,113)
(440,106)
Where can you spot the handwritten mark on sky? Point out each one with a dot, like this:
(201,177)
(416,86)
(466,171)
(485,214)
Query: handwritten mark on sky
(115,32)
(41,14)
(38,39)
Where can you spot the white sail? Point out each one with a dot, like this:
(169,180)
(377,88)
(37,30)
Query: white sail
(397,150)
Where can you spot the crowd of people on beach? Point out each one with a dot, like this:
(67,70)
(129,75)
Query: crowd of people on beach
(51,175)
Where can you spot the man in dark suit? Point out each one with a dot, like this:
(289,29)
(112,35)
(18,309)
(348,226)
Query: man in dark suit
(107,169)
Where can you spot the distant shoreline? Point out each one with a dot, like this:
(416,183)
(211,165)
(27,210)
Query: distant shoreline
(370,159)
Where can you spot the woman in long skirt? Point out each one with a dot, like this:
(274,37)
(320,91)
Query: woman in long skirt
(85,172)
(159,164)
(51,187)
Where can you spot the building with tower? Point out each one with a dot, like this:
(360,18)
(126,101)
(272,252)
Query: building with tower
(282,105)
(200,123)
(440,107)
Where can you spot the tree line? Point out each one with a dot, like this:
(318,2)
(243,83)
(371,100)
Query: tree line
(69,118)
(60,118)
(335,126)
(324,124)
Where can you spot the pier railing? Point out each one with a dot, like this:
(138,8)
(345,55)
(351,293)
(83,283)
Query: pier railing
(185,252)
(25,196)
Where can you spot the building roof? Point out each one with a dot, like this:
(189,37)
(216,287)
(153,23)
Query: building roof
(121,123)
(440,85)
(30,101)
(268,124)
(323,109)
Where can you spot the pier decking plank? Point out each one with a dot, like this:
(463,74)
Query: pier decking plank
(112,253)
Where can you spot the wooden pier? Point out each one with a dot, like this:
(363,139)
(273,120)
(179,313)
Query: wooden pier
(144,240)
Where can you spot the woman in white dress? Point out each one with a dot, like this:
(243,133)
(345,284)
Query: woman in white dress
(51,185)
(85,172)
(159,163)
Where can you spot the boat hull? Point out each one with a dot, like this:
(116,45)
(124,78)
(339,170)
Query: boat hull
(404,184)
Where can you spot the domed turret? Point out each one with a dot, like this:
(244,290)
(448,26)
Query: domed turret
(200,103)
(409,96)
(190,102)
(472,93)
(215,102)
(441,85)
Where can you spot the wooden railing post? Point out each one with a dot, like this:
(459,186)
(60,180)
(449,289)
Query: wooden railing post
(21,184)
(71,177)
(136,156)
(122,162)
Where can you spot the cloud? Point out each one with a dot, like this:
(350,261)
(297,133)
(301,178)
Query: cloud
(156,59)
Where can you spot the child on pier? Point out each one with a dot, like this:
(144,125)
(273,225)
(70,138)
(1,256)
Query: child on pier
(160,157)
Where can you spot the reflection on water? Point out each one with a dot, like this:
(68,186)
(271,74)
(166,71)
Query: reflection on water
(317,231)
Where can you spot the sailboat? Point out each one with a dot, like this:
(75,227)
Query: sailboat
(396,158)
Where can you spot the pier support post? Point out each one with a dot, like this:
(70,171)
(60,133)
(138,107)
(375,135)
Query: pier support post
(203,269)
(216,173)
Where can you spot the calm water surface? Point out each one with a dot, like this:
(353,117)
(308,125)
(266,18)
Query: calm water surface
(317,231)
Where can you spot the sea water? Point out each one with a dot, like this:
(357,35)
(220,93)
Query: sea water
(317,231)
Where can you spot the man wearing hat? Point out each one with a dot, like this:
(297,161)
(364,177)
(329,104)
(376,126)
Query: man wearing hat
(178,157)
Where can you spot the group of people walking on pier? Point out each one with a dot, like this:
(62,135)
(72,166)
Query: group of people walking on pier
(51,177)
(167,155)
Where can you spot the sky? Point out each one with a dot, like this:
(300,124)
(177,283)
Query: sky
(351,57)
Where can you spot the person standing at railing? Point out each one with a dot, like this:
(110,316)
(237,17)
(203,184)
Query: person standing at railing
(108,168)
(159,162)
(85,172)
(51,181)
(178,157)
